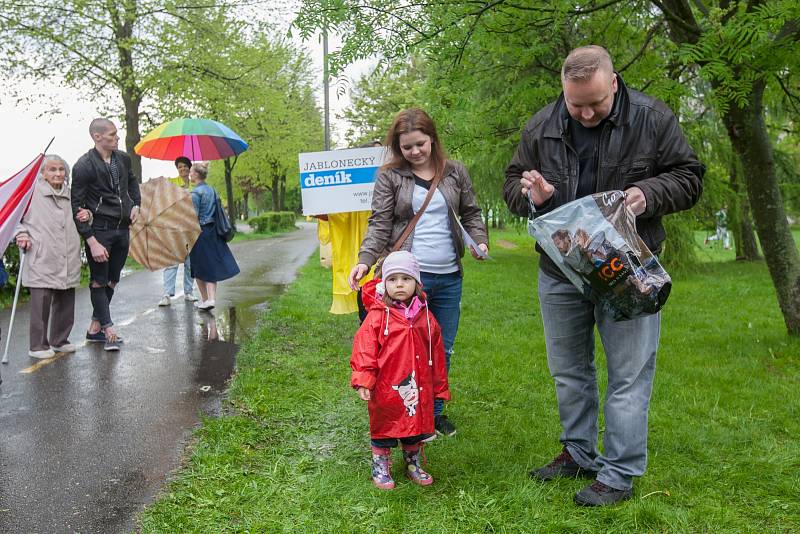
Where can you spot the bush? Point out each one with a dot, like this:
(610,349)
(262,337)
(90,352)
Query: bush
(272,221)
(287,219)
(679,250)
(11,265)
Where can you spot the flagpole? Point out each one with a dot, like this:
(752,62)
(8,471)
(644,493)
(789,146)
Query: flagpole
(14,306)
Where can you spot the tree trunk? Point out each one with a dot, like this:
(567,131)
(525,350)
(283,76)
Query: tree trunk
(132,135)
(229,190)
(749,138)
(749,245)
(131,96)
(742,227)
(275,190)
(282,194)
(750,141)
(245,207)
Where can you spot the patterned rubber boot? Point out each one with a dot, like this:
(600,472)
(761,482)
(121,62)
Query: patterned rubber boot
(414,471)
(381,474)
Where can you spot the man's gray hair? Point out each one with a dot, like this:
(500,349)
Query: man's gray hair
(55,157)
(100,126)
(583,62)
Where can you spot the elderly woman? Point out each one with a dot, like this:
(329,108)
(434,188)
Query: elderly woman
(52,267)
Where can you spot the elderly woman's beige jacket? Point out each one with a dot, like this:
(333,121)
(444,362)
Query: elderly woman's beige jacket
(54,260)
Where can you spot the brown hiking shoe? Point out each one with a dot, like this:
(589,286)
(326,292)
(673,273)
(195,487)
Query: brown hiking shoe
(562,466)
(598,494)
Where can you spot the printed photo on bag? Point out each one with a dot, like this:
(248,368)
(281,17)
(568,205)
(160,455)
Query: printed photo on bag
(593,241)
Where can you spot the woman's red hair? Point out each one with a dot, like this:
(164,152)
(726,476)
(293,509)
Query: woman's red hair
(407,121)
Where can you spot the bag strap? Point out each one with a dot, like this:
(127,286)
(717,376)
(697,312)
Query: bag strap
(413,223)
(218,202)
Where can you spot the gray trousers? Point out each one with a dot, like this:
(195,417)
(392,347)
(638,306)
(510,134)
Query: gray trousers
(53,307)
(630,347)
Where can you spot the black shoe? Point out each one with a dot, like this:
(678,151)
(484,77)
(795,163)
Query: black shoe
(443,426)
(99,337)
(562,466)
(112,345)
(598,494)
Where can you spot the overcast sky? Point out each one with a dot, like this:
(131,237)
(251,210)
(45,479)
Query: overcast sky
(25,132)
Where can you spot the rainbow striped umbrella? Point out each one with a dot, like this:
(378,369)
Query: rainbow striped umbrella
(196,139)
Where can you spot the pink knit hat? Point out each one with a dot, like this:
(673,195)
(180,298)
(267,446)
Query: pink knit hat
(401,261)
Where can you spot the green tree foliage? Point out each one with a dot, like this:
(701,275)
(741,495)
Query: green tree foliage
(491,65)
(379,96)
(486,69)
(742,49)
(262,88)
(114,53)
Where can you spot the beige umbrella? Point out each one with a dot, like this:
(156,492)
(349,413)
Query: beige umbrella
(166,228)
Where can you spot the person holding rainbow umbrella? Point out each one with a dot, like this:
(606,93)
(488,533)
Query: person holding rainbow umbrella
(184,141)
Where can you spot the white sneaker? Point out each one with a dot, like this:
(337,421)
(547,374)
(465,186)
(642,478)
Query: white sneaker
(165,301)
(190,298)
(41,354)
(207,305)
(198,303)
(67,347)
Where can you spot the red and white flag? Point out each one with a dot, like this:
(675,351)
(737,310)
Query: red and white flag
(15,197)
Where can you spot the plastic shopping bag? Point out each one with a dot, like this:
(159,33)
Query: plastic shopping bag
(593,241)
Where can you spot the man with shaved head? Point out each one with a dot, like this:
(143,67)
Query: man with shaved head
(103,183)
(600,136)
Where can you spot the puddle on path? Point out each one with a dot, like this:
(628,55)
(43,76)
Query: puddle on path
(222,333)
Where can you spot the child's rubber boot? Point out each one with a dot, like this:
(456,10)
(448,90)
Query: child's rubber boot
(381,464)
(414,471)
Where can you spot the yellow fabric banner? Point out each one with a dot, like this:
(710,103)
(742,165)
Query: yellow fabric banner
(346,232)
(324,236)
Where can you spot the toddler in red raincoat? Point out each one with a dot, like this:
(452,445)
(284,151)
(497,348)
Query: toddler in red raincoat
(399,367)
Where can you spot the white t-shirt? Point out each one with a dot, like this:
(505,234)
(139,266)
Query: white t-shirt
(433,242)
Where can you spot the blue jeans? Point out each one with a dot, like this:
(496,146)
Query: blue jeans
(171,274)
(444,302)
(630,347)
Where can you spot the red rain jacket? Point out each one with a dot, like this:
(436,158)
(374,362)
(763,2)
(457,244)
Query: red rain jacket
(392,358)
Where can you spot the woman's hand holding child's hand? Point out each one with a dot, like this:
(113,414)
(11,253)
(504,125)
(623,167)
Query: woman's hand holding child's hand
(356,274)
(364,393)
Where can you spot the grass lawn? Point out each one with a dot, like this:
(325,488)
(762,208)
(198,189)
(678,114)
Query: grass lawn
(293,455)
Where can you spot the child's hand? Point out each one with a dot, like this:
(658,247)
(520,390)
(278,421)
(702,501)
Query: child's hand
(364,394)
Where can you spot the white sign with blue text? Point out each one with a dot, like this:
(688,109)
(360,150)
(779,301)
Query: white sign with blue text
(339,180)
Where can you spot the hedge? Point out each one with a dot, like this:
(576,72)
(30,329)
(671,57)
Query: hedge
(272,221)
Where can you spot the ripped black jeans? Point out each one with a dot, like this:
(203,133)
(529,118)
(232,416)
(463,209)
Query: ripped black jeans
(102,275)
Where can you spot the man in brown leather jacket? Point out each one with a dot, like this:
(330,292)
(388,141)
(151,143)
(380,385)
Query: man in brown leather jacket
(600,136)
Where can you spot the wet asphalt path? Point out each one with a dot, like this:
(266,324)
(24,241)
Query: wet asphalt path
(87,439)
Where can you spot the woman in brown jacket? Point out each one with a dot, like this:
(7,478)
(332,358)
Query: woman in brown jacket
(401,187)
(52,267)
